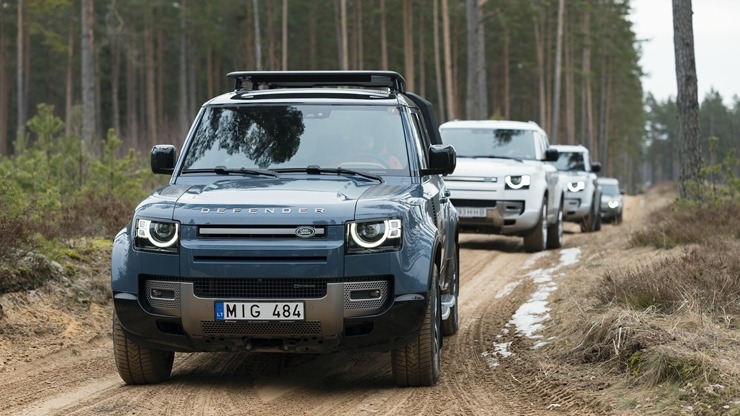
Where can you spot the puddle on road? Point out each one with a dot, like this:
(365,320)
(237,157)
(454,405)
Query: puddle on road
(529,319)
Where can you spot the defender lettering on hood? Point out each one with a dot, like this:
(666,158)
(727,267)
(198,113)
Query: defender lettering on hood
(262,210)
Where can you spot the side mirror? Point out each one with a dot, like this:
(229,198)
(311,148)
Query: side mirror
(163,158)
(442,160)
(551,155)
(595,167)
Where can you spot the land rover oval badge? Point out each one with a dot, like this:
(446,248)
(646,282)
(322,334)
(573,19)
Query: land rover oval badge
(305,232)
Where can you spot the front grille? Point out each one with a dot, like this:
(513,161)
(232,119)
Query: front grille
(474,203)
(260,288)
(266,328)
(272,232)
(257,288)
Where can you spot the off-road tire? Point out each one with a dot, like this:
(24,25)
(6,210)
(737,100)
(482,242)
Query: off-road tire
(418,363)
(452,323)
(555,231)
(535,240)
(592,220)
(137,364)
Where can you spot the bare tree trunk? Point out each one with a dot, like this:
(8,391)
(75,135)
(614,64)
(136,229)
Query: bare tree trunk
(476,104)
(69,90)
(505,66)
(422,56)
(150,73)
(257,38)
(183,78)
(132,118)
(587,112)
(570,101)
(408,44)
(687,103)
(87,47)
(554,133)
(540,48)
(20,71)
(272,63)
(438,63)
(451,113)
(209,71)
(4,95)
(383,38)
(285,36)
(160,68)
(359,36)
(344,50)
(312,52)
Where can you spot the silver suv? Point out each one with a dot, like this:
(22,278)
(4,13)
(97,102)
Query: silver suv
(582,194)
(503,183)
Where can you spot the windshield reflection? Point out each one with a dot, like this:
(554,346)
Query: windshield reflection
(365,138)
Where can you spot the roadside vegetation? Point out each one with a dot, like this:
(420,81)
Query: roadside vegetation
(59,200)
(673,324)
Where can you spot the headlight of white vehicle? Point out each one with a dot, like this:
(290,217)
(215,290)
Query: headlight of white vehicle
(517,182)
(372,236)
(613,204)
(157,235)
(576,186)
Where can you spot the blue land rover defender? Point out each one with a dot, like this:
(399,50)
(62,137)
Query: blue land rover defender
(306,213)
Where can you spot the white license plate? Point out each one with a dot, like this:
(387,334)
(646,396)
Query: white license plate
(471,212)
(260,311)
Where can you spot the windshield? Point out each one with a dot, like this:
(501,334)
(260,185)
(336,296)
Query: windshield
(361,138)
(570,161)
(609,189)
(506,143)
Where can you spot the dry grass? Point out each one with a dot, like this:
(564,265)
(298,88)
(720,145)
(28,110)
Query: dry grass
(667,325)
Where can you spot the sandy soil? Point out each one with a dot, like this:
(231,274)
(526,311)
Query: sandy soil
(56,352)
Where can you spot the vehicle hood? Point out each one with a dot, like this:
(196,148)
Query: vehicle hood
(283,201)
(492,167)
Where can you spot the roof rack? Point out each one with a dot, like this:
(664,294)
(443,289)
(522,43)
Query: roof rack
(309,79)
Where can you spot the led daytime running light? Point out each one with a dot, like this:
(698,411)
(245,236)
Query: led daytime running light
(524,180)
(391,229)
(576,186)
(143,231)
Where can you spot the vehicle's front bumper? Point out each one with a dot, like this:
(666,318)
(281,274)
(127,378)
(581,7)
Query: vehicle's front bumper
(185,321)
(575,208)
(497,217)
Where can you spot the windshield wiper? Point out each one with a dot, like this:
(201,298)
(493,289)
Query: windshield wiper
(500,157)
(223,170)
(316,170)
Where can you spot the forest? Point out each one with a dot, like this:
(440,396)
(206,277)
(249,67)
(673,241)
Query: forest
(138,70)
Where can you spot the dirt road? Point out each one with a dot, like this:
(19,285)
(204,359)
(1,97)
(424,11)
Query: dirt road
(56,353)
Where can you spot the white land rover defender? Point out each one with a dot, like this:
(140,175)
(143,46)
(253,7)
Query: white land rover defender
(503,183)
(582,193)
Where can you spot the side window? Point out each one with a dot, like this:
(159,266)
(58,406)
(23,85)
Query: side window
(542,143)
(421,141)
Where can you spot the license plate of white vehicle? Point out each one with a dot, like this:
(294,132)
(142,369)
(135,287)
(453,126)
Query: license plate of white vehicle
(471,212)
(260,311)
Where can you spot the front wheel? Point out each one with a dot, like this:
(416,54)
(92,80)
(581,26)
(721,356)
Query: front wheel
(535,240)
(418,363)
(555,231)
(452,323)
(137,364)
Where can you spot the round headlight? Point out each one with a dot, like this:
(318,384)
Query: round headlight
(576,186)
(162,232)
(159,234)
(517,182)
(369,234)
(613,203)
